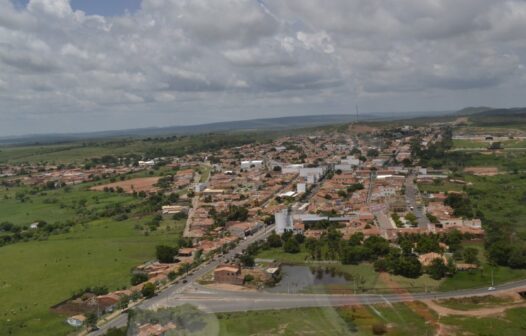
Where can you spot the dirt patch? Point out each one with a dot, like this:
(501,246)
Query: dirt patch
(482,171)
(482,312)
(229,287)
(146,184)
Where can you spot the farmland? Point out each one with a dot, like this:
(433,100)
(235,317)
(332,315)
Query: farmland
(100,253)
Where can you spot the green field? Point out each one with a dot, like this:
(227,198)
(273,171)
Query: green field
(511,324)
(55,205)
(38,274)
(475,302)
(287,258)
(481,277)
(325,321)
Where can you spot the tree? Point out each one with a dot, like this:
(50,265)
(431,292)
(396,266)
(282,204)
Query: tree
(91,320)
(247,260)
(138,278)
(517,257)
(165,254)
(248,278)
(185,268)
(499,252)
(470,255)
(299,238)
(172,276)
(411,218)
(407,266)
(381,265)
(274,240)
(311,245)
(438,269)
(378,246)
(148,290)
(116,332)
(379,329)
(291,246)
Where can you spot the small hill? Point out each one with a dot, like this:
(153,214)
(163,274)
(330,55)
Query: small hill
(473,110)
(500,117)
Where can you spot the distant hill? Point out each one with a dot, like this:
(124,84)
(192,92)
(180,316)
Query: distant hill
(280,123)
(473,110)
(500,117)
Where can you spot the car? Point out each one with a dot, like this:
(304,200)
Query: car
(185,281)
(491,288)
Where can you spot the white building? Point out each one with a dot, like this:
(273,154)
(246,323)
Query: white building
(283,221)
(301,188)
(252,164)
(352,161)
(292,169)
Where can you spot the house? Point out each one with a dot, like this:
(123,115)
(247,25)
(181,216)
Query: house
(174,209)
(298,228)
(76,321)
(229,274)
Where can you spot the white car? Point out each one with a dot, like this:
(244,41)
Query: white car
(491,288)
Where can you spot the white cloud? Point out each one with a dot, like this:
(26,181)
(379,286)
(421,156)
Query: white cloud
(229,58)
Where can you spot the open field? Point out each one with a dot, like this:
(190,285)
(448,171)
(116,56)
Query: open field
(79,152)
(38,274)
(481,277)
(146,184)
(54,205)
(325,321)
(475,302)
(512,323)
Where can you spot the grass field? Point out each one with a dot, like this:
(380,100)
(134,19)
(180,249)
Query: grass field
(482,276)
(325,321)
(38,274)
(475,302)
(287,258)
(511,324)
(54,205)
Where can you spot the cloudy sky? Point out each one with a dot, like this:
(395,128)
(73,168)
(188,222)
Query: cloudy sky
(82,65)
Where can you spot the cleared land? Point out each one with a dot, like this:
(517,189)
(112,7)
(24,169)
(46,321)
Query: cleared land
(146,184)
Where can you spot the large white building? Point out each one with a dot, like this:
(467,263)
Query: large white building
(254,164)
(283,221)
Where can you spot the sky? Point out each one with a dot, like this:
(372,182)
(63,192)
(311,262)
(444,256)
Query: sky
(86,65)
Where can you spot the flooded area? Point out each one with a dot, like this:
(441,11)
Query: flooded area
(299,278)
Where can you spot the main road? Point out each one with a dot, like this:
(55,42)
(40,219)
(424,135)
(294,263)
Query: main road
(216,301)
(411,194)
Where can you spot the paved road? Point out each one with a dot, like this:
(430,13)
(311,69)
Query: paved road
(411,193)
(216,301)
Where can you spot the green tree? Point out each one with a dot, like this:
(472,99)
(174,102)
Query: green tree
(438,269)
(138,278)
(165,254)
(148,290)
(91,320)
(274,240)
(291,246)
(470,255)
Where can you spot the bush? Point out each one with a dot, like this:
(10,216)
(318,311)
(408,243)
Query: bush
(148,290)
(138,278)
(379,329)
